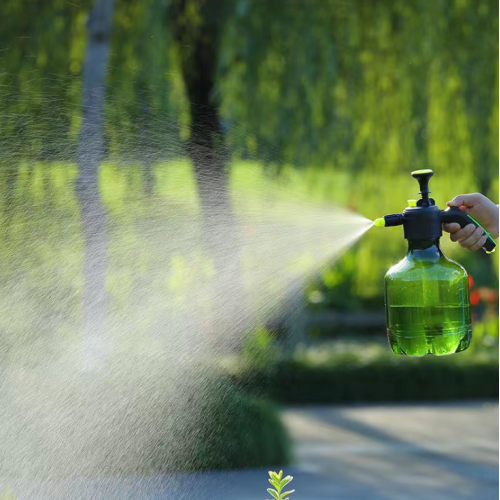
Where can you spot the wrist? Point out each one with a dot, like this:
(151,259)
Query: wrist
(494,225)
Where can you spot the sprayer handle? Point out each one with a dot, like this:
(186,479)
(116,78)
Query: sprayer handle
(454,214)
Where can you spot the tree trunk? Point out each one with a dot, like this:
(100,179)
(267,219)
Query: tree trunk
(145,147)
(90,154)
(220,228)
(199,45)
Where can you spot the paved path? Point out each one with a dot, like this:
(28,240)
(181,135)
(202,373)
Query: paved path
(431,452)
(424,452)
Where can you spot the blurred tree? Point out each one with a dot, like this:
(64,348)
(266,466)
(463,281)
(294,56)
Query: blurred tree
(354,85)
(198,26)
(364,86)
(39,84)
(90,154)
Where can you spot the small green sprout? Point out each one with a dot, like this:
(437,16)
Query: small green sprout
(279,482)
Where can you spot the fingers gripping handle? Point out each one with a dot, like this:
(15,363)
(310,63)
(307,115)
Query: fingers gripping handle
(454,214)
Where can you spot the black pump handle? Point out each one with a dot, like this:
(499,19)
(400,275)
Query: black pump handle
(423,177)
(454,214)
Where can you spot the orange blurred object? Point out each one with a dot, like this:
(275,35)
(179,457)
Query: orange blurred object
(475,298)
(471,282)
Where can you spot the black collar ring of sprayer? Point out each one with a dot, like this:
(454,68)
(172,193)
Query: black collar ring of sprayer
(422,223)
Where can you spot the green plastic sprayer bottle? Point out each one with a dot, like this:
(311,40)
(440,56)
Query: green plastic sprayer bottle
(427,294)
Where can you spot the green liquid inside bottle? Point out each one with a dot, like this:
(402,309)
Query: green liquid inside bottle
(427,302)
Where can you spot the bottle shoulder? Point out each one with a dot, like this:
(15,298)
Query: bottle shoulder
(442,268)
(454,264)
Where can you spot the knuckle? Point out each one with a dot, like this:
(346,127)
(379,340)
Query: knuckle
(464,233)
(469,229)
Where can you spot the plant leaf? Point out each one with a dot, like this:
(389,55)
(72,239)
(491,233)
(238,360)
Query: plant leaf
(276,484)
(273,475)
(273,493)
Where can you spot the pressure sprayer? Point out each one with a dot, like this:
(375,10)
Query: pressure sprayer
(427,294)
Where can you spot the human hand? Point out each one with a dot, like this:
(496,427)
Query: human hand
(483,210)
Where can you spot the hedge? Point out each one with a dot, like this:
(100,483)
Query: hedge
(348,379)
(164,419)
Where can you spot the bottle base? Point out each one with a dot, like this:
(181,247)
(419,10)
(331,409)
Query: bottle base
(417,345)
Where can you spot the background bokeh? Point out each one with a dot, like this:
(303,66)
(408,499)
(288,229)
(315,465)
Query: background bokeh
(341,99)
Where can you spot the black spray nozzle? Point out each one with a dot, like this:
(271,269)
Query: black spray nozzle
(390,220)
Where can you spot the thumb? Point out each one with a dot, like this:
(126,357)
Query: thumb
(465,200)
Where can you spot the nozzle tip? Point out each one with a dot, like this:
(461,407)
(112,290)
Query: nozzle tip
(379,222)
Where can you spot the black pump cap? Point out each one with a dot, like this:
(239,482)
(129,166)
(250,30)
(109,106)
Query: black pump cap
(422,221)
(423,177)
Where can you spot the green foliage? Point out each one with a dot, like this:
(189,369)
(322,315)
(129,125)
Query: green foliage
(145,104)
(279,482)
(486,331)
(371,86)
(258,347)
(155,417)
(238,432)
(39,77)
(372,374)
